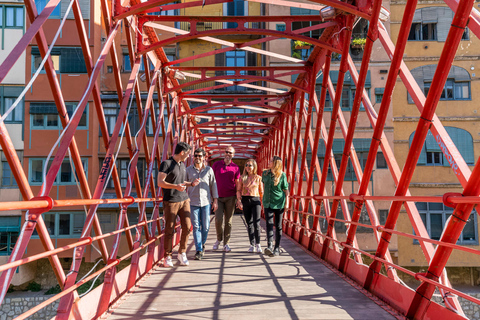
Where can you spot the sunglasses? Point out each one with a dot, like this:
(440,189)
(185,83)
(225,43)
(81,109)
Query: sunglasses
(198,155)
(248,165)
(228,152)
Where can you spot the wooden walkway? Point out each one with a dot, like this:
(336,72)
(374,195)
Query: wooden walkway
(241,285)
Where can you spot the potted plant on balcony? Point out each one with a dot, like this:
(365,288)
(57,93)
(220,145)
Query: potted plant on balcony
(299,45)
(358,43)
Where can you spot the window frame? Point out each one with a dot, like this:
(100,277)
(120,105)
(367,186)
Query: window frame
(59,125)
(10,233)
(15,25)
(56,234)
(427,213)
(57,181)
(421,31)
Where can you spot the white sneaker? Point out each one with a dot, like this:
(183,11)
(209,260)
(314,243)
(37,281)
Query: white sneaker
(226,248)
(251,249)
(258,248)
(216,244)
(168,263)
(182,258)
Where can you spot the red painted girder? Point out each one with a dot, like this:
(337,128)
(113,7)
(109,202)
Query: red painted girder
(226,105)
(346,35)
(66,302)
(245,82)
(239,69)
(27,38)
(184,5)
(248,79)
(314,163)
(251,43)
(194,34)
(226,134)
(458,164)
(344,6)
(121,12)
(237,140)
(240,19)
(256,115)
(368,203)
(409,11)
(235,97)
(448,53)
(253,120)
(474,22)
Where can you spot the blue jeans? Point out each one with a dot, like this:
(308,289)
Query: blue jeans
(201,225)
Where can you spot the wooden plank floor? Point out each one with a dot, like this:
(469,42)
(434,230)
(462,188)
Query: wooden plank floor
(241,285)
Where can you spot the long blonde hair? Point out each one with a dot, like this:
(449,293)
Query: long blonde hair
(277,169)
(245,173)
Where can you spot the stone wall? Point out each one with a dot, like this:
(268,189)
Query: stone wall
(14,306)
(472,310)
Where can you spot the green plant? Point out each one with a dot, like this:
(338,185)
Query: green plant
(296,54)
(34,287)
(299,43)
(54,290)
(359,42)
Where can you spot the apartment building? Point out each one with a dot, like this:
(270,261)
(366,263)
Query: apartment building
(13,28)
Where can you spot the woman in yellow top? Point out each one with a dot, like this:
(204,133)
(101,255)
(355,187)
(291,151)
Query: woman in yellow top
(249,193)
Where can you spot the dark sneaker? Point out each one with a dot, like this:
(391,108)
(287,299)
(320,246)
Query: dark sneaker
(276,252)
(268,251)
(198,255)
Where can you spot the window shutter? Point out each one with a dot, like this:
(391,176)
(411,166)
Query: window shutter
(429,14)
(219,62)
(72,61)
(459,74)
(417,74)
(431,144)
(428,72)
(84,7)
(418,16)
(464,143)
(422,160)
(445,17)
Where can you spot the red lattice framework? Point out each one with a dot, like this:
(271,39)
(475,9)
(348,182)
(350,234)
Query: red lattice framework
(287,133)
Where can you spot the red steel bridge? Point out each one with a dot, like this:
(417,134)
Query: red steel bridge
(295,124)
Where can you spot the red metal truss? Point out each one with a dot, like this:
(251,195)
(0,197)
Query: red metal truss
(261,113)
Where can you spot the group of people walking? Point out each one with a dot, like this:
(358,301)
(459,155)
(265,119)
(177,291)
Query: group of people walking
(191,193)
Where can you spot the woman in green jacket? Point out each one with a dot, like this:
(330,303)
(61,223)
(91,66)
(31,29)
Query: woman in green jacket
(275,200)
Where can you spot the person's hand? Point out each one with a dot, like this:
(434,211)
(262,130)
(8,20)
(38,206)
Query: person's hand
(181,187)
(215,205)
(239,205)
(196,182)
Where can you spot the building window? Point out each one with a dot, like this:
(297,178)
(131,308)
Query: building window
(16,116)
(235,8)
(111,110)
(433,155)
(14,17)
(457,86)
(65,60)
(9,230)
(65,176)
(236,58)
(44,116)
(452,90)
(382,216)
(123,170)
(149,129)
(127,66)
(381,162)
(361,147)
(423,31)
(435,216)
(63,224)
(41,5)
(379,95)
(8,180)
(348,92)
(432,24)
